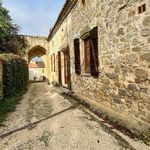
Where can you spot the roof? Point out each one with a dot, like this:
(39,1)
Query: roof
(37,65)
(68,6)
(32,65)
(40,64)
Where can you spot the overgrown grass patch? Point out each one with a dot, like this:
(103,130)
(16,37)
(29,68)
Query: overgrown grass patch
(9,105)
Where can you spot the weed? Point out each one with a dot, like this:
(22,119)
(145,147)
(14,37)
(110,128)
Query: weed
(8,105)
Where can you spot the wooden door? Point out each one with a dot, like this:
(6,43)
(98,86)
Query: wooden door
(66,67)
(59,68)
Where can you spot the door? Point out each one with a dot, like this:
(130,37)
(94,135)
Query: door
(59,68)
(66,67)
(67,76)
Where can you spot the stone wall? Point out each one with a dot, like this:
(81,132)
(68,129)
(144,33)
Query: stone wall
(124,55)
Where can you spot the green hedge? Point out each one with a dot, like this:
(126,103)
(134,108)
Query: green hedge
(15,76)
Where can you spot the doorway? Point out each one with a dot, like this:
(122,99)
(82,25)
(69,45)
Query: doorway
(67,75)
(59,68)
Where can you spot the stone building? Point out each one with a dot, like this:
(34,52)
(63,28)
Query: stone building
(37,71)
(100,49)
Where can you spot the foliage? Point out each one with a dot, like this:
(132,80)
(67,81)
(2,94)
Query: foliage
(8,105)
(10,41)
(15,76)
(15,82)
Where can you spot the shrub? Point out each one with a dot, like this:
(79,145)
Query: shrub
(15,76)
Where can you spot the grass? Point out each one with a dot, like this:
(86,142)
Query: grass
(8,105)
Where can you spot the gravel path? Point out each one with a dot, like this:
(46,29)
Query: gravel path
(44,120)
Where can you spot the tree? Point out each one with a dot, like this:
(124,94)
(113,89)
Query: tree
(10,41)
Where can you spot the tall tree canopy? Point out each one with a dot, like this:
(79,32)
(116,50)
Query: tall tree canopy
(10,41)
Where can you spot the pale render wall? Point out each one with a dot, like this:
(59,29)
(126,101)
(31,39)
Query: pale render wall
(124,55)
(58,43)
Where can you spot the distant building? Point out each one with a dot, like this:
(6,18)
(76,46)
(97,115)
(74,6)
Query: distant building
(36,71)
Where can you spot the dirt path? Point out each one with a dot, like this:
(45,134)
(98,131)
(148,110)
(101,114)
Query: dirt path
(44,120)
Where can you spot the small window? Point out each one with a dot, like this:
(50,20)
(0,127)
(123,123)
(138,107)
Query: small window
(42,70)
(77,56)
(142,8)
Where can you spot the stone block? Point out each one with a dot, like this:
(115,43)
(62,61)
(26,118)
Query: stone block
(137,49)
(122,92)
(145,97)
(145,57)
(120,32)
(136,95)
(112,76)
(145,32)
(132,87)
(131,58)
(131,13)
(141,73)
(146,21)
(117,99)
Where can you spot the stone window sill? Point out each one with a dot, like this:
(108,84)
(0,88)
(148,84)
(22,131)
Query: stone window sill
(86,75)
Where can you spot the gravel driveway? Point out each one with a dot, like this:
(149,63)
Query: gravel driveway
(44,120)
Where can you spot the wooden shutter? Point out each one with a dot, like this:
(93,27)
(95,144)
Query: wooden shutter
(77,56)
(94,52)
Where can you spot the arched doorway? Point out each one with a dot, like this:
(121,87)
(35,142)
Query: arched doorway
(37,61)
(37,70)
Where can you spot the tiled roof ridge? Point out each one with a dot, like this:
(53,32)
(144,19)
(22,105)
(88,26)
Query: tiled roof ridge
(68,6)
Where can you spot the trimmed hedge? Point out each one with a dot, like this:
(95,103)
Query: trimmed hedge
(15,76)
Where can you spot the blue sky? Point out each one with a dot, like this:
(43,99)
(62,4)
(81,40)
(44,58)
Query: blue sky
(35,17)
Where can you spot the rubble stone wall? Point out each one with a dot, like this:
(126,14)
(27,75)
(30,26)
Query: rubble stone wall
(124,55)
(123,84)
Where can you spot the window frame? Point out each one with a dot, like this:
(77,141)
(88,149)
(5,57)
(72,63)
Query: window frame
(93,60)
(87,56)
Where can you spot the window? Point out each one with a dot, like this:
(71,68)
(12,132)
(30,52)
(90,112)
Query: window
(142,8)
(87,55)
(42,70)
(91,53)
(77,56)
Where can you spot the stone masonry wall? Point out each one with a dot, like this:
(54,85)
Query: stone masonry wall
(124,55)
